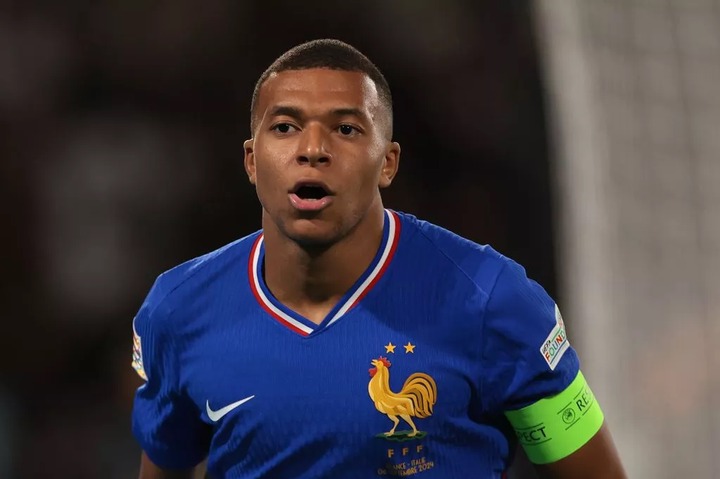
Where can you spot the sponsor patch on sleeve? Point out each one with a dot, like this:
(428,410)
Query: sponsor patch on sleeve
(556,343)
(137,359)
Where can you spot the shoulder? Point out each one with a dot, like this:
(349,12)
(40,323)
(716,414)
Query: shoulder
(197,268)
(479,263)
(203,273)
(503,294)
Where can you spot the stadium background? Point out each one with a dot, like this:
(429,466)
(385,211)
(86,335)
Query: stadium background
(580,137)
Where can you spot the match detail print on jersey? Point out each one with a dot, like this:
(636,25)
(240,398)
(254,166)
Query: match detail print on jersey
(362,286)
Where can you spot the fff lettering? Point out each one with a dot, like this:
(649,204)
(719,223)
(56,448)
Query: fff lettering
(532,436)
(404,451)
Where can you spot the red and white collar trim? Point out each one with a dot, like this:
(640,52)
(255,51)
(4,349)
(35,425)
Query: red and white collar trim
(351,298)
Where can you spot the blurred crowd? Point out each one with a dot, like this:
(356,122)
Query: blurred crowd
(121,146)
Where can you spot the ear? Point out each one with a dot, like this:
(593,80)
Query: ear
(391,164)
(249,159)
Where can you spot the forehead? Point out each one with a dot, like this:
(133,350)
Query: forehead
(319,87)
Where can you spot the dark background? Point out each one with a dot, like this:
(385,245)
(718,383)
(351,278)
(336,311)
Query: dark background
(121,144)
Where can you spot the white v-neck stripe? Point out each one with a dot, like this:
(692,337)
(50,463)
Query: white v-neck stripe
(378,267)
(390,243)
(265,301)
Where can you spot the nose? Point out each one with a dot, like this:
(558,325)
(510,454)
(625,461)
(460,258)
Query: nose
(312,148)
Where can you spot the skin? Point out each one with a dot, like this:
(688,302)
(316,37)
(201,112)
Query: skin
(330,126)
(597,459)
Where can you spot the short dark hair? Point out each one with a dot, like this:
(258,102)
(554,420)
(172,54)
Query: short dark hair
(325,53)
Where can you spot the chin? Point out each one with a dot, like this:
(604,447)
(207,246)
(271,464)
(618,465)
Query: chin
(313,233)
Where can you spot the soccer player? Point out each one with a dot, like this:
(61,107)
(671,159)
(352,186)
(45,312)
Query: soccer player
(347,340)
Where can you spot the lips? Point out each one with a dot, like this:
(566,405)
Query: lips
(310,195)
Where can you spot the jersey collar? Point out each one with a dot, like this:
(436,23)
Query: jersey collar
(302,325)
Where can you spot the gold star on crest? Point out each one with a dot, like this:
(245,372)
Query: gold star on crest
(390,348)
(409,348)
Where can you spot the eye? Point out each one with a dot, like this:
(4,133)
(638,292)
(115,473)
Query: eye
(347,130)
(283,128)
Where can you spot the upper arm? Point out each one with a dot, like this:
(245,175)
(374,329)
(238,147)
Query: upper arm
(535,379)
(596,459)
(166,422)
(525,353)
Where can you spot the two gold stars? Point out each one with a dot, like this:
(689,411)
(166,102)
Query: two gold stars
(409,348)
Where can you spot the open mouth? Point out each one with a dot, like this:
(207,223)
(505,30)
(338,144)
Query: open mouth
(311,196)
(311,192)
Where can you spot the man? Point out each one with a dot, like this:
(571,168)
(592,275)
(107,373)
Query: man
(256,356)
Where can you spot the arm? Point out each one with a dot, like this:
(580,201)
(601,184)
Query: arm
(597,459)
(149,470)
(165,422)
(566,436)
(561,426)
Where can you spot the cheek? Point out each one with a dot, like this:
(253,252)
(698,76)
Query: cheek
(270,178)
(264,171)
(371,174)
(270,165)
(364,184)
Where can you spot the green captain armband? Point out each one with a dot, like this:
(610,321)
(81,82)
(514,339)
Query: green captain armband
(555,427)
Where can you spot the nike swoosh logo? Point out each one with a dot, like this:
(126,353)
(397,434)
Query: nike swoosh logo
(215,416)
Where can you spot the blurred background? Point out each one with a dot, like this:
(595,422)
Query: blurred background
(579,137)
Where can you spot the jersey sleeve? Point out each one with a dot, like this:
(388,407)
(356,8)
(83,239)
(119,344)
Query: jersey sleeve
(526,353)
(533,374)
(165,422)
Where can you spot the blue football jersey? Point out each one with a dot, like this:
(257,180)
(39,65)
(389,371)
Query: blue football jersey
(409,375)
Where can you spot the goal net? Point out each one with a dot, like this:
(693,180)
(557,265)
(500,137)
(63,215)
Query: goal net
(634,100)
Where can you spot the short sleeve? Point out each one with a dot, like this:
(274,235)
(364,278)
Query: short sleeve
(165,423)
(526,352)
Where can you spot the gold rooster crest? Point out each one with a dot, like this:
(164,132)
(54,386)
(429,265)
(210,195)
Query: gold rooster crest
(415,399)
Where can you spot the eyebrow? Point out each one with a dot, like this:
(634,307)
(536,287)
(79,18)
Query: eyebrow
(297,113)
(283,110)
(348,112)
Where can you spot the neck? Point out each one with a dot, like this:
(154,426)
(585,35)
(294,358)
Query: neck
(305,278)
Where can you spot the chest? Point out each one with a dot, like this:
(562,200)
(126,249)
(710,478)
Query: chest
(267,393)
(328,375)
